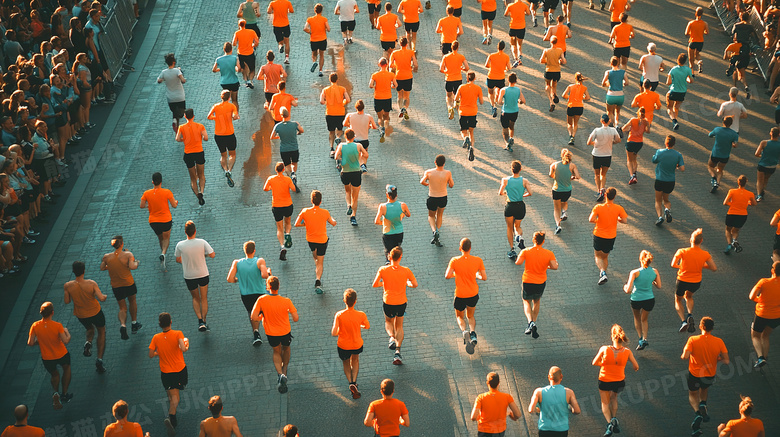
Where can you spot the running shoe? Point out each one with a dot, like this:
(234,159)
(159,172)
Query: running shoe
(354,390)
(668,215)
(318,289)
(32,233)
(727,250)
(320,74)
(535,23)
(169,427)
(349,210)
(287,60)
(683,326)
(603,278)
(88,349)
(338,165)
(608,432)
(451,113)
(558,230)
(283,255)
(516,63)
(714,188)
(257,341)
(534,332)
(27,240)
(466,337)
(737,247)
(555,98)
(397,360)
(675,125)
(281,48)
(511,254)
(620,132)
(202,326)
(632,180)
(230,182)
(55,401)
(201,201)
(313,67)
(66,397)
(691,324)
(471,153)
(603,5)
(123,333)
(282,385)
(700,69)
(552,108)
(528,330)
(615,425)
(490,39)
(495,112)
(760,363)
(406,114)
(509,144)
(363,168)
(600,197)
(332,153)
(571,140)
(484,40)
(353,221)
(381,135)
(747,93)
(592,6)
(435,237)
(564,216)
(641,344)
(162,262)
(99,367)
(135,327)
(759,198)
(466,143)
(288,241)
(250,85)
(703,412)
(660,221)
(401,113)
(696,424)
(391,344)
(473,337)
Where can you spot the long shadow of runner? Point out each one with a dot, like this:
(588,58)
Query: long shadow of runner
(257,167)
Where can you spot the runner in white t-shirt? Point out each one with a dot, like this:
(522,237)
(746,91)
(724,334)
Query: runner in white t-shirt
(360,123)
(650,64)
(191,254)
(346,10)
(733,108)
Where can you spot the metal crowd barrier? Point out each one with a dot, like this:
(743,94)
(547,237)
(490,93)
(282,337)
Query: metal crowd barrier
(761,57)
(118,32)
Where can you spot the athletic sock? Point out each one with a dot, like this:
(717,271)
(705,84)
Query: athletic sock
(174,422)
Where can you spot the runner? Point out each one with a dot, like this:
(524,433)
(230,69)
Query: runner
(281,100)
(516,12)
(335,98)
(457,6)
(386,415)
(119,264)
(227,66)
(174,91)
(275,311)
(562,173)
(738,55)
(317,27)
(769,153)
(620,38)
(612,377)
(666,162)
(738,200)
(606,217)
(218,425)
(466,269)
(450,28)
(690,261)
(52,338)
(20,427)
(602,139)
(678,79)
(383,82)
(390,215)
(560,31)
(576,94)
(404,61)
(314,219)
(636,127)
(695,31)
(223,115)
(452,65)
(487,12)
(192,134)
(86,297)
(191,254)
(250,273)
(566,10)
(553,404)
(649,100)
(360,123)
(538,260)
(250,12)
(733,108)
(703,353)
(159,200)
(468,96)
(766,295)
(490,408)
(394,278)
(498,64)
(346,10)
(552,58)
(411,10)
(271,74)
(640,286)
(280,186)
(651,65)
(510,99)
(437,180)
(387,24)
(616,8)
(725,140)
(346,326)
(775,222)
(615,79)
(245,40)
(745,425)
(281,24)
(122,427)
(548,9)
(290,430)
(170,345)
(287,132)
(349,155)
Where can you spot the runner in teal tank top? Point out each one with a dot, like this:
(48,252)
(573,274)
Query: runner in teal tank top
(769,152)
(515,188)
(250,273)
(510,98)
(614,79)
(640,286)
(562,173)
(226,66)
(348,158)
(389,215)
(553,404)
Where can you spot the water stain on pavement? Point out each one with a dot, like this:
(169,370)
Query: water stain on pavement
(257,167)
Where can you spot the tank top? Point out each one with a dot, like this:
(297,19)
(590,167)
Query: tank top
(562,177)
(561,32)
(250,281)
(249,13)
(613,367)
(511,94)
(554,410)
(615,78)
(392,224)
(84,303)
(515,189)
(349,158)
(636,134)
(118,271)
(643,285)
(576,95)
(770,155)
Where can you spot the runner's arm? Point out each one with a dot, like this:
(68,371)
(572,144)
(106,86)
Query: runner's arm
(536,398)
(424,180)
(369,419)
(377,280)
(231,277)
(572,400)
(103,265)
(597,360)
(257,312)
(32,340)
(265,271)
(761,146)
(629,287)
(405,209)
(710,264)
(475,411)
(65,336)
(527,190)
(553,265)
(593,217)
(657,281)
(299,220)
(727,200)
(337,11)
(184,346)
(633,361)
(202,432)
(450,272)
(754,294)
(332,221)
(450,181)
(724,357)
(132,263)
(294,315)
(97,293)
(235,430)
(514,411)
(215,68)
(520,259)
(66,297)
(405,420)
(212,114)
(502,186)
(152,353)
(575,173)
(300,128)
(240,13)
(334,331)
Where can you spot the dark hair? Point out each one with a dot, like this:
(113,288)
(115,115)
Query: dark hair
(670,140)
(471,75)
(350,296)
(455,45)
(501,45)
(746,406)
(729,120)
(360,105)
(170,59)
(387,386)
(120,409)
(316,197)
(270,55)
(450,10)
(388,7)
(318,8)
(623,17)
(440,160)
(117,241)
(215,406)
(189,113)
(157,178)
(189,228)
(539,237)
(333,77)
(164,319)
(350,134)
(404,41)
(682,58)
(775,270)
(249,247)
(396,253)
(516,166)
(512,77)
(290,430)
(742,180)
(273,282)
(611,193)
(47,309)
(78,268)
(492,379)
(227,47)
(707,324)
(775,131)
(465,245)
(279,166)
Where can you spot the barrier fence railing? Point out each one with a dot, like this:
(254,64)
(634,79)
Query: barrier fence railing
(118,32)
(761,56)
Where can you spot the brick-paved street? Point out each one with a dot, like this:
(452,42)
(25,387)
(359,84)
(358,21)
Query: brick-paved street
(439,381)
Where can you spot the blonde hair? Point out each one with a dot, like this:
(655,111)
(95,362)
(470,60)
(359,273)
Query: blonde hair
(645,258)
(566,156)
(618,334)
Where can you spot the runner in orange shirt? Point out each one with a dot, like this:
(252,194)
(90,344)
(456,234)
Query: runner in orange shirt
(490,408)
(119,264)
(315,219)
(576,94)
(487,12)
(648,99)
(745,425)
(51,337)
(695,31)
(612,361)
(466,269)
(457,7)
(498,64)
(271,74)
(703,352)
(775,222)
(123,427)
(386,415)
(86,297)
(690,261)
(404,61)
(411,10)
(559,30)
(223,115)
(383,82)
(335,98)
(159,200)
(394,278)
(281,23)
(317,27)
(617,7)
(516,12)
(346,326)
(282,100)
(552,58)
(374,7)
(620,37)
(738,200)
(387,24)
(275,311)
(20,428)
(537,260)
(469,95)
(452,64)
(606,217)
(170,345)
(280,187)
(192,134)
(766,295)
(245,40)
(450,28)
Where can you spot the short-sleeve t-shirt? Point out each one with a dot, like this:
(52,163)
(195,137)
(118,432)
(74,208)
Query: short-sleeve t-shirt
(245,39)
(24,431)
(618,7)
(127,429)
(776,216)
(696,30)
(449,29)
(648,100)
(621,34)
(317,24)
(276,310)
(281,100)
(227,69)
(394,279)
(465,268)
(315,219)
(386,24)
(740,199)
(48,334)
(401,60)
(768,302)
(734,109)
(606,223)
(724,141)
(223,118)
(383,84)
(680,74)
(469,99)
(271,74)
(281,185)
(174,89)
(167,345)
(747,427)
(193,254)
(537,259)
(411,9)
(517,13)
(666,162)
(280,9)
(552,59)
(387,416)
(334,100)
(704,351)
(192,134)
(492,411)
(157,200)
(488,5)
(692,261)
(346,10)
(499,62)
(453,62)
(288,135)
(351,321)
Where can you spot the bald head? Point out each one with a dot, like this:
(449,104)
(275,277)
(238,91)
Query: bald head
(555,374)
(20,414)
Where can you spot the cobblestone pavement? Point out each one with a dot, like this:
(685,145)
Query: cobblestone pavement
(439,381)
